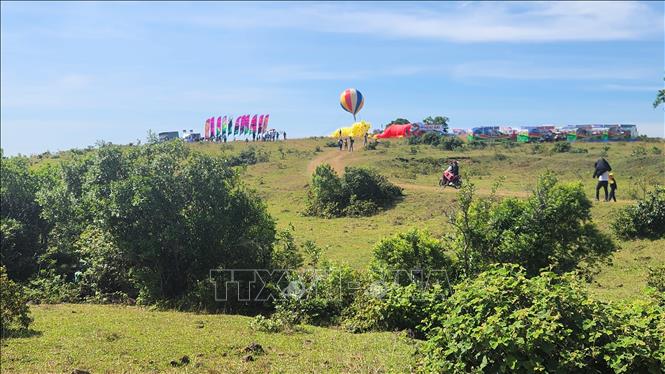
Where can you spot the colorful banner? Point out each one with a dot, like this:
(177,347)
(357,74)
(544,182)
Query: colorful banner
(224,124)
(265,123)
(206,129)
(219,127)
(253,125)
(259,126)
(212,127)
(247,124)
(236,127)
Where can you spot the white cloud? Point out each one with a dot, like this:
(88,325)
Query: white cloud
(629,87)
(66,89)
(457,22)
(531,71)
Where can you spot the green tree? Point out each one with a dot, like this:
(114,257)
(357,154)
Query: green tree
(399,121)
(175,215)
(23,232)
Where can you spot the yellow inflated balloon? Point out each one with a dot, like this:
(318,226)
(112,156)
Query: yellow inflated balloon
(356,130)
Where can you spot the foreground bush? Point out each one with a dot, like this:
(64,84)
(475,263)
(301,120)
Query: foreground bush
(360,192)
(14,312)
(504,322)
(646,219)
(552,228)
(412,256)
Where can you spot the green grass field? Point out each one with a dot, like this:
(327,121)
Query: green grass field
(129,339)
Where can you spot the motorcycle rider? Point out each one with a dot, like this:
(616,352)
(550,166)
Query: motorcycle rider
(453,169)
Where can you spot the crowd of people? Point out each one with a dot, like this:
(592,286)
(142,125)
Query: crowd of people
(269,136)
(347,143)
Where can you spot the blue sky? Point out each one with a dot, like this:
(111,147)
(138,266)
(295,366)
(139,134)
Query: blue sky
(77,72)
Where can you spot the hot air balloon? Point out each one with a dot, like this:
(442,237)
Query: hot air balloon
(352,101)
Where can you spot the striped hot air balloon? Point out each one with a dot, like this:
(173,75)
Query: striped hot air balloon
(352,101)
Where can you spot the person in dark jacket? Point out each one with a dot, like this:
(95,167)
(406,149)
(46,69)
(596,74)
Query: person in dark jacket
(602,170)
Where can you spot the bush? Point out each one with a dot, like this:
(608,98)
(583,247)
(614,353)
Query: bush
(552,228)
(14,311)
(504,322)
(360,208)
(561,147)
(285,254)
(326,196)
(360,192)
(318,296)
(332,144)
(50,288)
(431,138)
(646,219)
(104,275)
(579,150)
(412,256)
(249,156)
(389,307)
(451,143)
(280,321)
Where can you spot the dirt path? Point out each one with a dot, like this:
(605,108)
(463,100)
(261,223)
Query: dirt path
(339,159)
(334,158)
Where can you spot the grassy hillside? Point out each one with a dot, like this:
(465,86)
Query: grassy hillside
(282,183)
(129,339)
(116,339)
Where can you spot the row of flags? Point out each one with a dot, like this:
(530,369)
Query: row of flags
(243,125)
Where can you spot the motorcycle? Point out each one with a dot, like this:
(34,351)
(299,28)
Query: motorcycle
(448,179)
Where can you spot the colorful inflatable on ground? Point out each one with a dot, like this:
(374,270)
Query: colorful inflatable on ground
(395,131)
(352,101)
(358,129)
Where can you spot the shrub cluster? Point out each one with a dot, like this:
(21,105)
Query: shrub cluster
(505,322)
(646,219)
(14,311)
(360,192)
(561,147)
(144,223)
(249,156)
(552,228)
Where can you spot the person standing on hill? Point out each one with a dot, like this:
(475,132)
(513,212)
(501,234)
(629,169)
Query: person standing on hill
(613,187)
(365,140)
(340,143)
(602,171)
(351,143)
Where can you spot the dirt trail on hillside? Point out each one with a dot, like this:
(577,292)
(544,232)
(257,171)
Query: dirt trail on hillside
(335,158)
(339,159)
